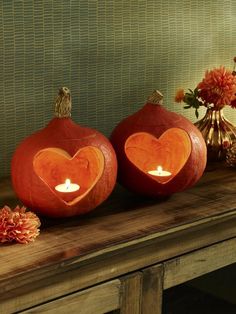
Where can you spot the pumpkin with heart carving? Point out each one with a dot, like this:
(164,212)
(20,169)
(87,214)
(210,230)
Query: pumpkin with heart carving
(64,169)
(159,152)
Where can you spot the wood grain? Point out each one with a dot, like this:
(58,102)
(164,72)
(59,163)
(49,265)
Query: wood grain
(122,219)
(152,290)
(99,299)
(55,283)
(125,234)
(131,294)
(198,263)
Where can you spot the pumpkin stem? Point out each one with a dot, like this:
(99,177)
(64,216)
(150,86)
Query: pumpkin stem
(155,98)
(63,103)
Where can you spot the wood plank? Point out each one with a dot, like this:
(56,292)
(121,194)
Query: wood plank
(99,299)
(131,294)
(121,221)
(198,263)
(125,234)
(101,268)
(40,272)
(152,290)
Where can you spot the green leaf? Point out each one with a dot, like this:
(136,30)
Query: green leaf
(189,94)
(196,114)
(196,91)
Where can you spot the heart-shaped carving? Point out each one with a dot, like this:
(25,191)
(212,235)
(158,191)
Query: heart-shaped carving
(171,151)
(54,165)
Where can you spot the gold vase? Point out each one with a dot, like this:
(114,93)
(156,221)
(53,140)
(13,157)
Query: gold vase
(218,133)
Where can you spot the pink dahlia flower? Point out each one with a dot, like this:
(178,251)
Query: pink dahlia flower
(18,225)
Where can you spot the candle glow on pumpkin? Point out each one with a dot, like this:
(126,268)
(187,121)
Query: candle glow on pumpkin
(159,172)
(67,187)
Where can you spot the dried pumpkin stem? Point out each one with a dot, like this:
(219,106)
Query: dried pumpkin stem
(155,98)
(63,103)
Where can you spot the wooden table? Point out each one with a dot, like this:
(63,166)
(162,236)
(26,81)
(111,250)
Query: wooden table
(122,256)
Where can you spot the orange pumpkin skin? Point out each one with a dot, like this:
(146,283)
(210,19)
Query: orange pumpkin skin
(155,120)
(64,134)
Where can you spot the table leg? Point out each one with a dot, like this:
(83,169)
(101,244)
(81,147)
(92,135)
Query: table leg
(152,290)
(131,292)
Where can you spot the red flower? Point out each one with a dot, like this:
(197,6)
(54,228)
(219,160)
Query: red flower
(218,87)
(18,225)
(233,103)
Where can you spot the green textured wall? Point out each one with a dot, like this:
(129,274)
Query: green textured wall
(110,53)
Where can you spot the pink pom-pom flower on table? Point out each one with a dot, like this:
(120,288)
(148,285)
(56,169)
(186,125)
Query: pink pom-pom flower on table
(18,225)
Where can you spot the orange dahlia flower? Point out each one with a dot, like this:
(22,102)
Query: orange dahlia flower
(179,96)
(218,87)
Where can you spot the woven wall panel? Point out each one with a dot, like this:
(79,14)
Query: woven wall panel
(110,53)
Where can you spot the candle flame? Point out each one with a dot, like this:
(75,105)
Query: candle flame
(159,172)
(67,183)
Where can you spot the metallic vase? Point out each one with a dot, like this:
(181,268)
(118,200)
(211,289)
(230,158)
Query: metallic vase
(218,132)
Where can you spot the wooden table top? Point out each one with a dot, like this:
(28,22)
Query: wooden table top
(124,219)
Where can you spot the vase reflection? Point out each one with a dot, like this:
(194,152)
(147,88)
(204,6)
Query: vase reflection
(218,132)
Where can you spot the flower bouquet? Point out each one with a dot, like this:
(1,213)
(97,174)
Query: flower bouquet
(216,90)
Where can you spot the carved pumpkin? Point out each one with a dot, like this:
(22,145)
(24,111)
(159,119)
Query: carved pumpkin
(159,152)
(60,152)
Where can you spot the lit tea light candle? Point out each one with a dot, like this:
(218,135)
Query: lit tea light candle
(67,187)
(159,172)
